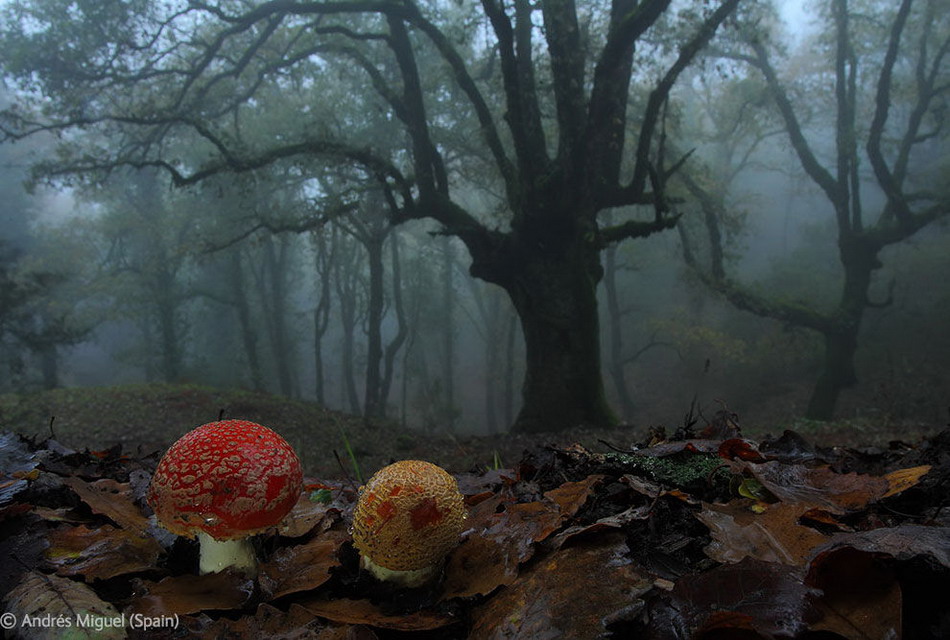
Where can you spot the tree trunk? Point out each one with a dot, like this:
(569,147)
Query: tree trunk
(402,331)
(372,405)
(49,362)
(275,297)
(615,331)
(860,260)
(167,310)
(838,374)
(556,300)
(323,264)
(448,333)
(248,331)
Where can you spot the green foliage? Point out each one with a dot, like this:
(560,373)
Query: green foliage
(672,470)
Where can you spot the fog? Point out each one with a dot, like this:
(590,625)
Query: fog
(324,206)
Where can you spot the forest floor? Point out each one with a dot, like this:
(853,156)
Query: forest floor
(688,532)
(145,418)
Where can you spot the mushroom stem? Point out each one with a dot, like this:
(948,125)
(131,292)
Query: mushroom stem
(410,578)
(218,555)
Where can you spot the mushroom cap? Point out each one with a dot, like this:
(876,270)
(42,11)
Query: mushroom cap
(230,479)
(408,516)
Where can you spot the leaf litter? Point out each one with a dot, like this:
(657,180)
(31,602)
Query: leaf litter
(702,535)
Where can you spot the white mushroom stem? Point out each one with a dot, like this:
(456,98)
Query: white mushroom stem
(218,555)
(410,578)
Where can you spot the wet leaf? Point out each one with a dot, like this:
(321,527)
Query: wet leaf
(271,622)
(472,484)
(681,446)
(820,487)
(860,597)
(498,544)
(16,463)
(100,553)
(300,568)
(478,566)
(741,449)
(902,543)
(790,448)
(904,479)
(39,596)
(349,611)
(571,496)
(752,488)
(765,597)
(305,516)
(111,499)
(773,535)
(561,596)
(192,593)
(616,521)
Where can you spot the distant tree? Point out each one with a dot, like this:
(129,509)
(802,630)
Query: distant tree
(32,324)
(887,64)
(139,73)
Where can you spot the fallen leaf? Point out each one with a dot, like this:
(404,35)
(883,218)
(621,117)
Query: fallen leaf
(773,535)
(302,567)
(790,448)
(861,598)
(305,516)
(902,543)
(50,599)
(350,611)
(271,622)
(821,487)
(100,553)
(192,593)
(681,446)
(904,479)
(564,596)
(111,499)
(752,595)
(740,448)
(476,567)
(616,521)
(497,545)
(571,496)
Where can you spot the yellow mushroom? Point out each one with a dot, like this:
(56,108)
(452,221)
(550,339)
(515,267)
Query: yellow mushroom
(408,517)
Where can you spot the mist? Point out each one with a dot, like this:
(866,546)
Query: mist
(355,221)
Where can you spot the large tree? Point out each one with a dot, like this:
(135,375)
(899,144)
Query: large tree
(539,89)
(875,138)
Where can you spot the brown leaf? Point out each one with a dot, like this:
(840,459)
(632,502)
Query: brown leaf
(765,597)
(499,542)
(191,593)
(478,566)
(902,543)
(860,598)
(564,596)
(54,598)
(271,622)
(616,521)
(305,516)
(571,496)
(365,612)
(301,568)
(821,487)
(100,553)
(111,499)
(740,448)
(904,479)
(773,535)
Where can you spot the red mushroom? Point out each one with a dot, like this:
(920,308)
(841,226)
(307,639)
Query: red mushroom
(224,482)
